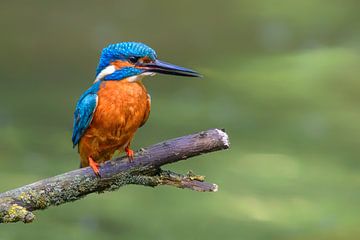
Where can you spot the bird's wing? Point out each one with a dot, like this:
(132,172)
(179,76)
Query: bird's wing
(83,115)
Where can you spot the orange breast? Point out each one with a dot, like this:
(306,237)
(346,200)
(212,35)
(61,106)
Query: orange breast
(122,108)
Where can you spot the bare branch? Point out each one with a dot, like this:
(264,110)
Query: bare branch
(18,204)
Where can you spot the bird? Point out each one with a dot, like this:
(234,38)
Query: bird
(108,114)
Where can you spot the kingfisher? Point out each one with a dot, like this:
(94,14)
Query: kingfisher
(108,114)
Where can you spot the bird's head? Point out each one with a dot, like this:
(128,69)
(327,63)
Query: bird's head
(134,60)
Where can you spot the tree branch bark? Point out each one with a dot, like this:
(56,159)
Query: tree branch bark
(18,204)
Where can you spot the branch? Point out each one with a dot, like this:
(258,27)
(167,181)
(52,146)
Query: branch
(18,204)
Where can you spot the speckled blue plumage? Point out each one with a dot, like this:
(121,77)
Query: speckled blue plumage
(122,51)
(86,105)
(84,112)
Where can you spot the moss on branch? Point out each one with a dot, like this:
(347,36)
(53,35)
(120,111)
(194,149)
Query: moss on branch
(18,204)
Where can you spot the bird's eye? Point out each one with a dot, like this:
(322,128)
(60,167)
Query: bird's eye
(133,60)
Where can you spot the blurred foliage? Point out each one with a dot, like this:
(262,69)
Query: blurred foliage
(281,76)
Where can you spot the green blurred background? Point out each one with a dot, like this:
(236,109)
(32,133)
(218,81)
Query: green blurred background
(282,77)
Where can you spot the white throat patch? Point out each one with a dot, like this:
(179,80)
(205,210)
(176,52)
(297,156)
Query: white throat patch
(111,69)
(139,77)
(106,71)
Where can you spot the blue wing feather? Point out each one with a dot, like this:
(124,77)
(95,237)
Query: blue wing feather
(84,112)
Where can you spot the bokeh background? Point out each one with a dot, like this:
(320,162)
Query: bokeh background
(282,77)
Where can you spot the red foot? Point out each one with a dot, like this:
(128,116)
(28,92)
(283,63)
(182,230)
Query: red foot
(129,153)
(95,166)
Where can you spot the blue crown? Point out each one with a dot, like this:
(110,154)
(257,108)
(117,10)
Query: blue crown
(122,51)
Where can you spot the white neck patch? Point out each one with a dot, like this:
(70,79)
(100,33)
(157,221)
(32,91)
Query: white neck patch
(106,71)
(139,77)
(111,69)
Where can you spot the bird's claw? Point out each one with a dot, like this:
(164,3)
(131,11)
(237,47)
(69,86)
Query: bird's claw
(130,154)
(95,167)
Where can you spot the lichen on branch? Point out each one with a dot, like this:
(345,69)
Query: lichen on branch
(18,204)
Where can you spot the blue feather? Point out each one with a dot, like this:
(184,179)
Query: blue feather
(84,112)
(123,73)
(122,51)
(87,103)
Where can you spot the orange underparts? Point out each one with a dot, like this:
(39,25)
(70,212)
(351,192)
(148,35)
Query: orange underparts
(123,107)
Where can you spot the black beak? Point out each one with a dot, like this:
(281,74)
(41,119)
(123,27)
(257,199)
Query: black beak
(168,68)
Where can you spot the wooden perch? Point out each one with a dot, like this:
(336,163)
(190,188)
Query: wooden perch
(18,204)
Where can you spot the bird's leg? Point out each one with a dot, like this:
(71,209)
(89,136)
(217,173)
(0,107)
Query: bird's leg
(95,166)
(129,152)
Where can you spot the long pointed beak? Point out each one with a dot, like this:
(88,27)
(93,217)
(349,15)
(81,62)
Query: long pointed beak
(167,68)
